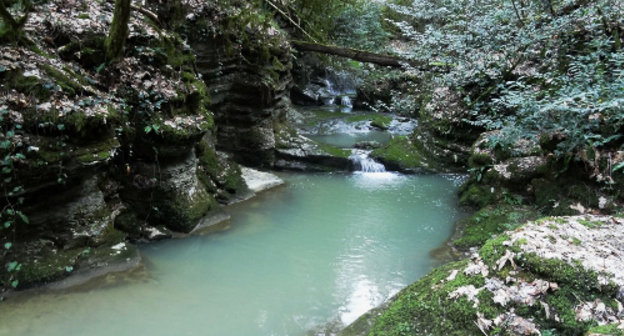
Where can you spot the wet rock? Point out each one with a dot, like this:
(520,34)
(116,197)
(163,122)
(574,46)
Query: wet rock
(297,152)
(170,195)
(367,145)
(249,85)
(260,181)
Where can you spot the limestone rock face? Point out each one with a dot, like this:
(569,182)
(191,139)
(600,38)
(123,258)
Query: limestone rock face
(170,194)
(248,82)
(105,154)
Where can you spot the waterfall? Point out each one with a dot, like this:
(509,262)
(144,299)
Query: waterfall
(365,163)
(346,102)
(330,87)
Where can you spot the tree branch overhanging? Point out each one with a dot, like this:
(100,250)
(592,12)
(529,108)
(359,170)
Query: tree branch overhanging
(364,56)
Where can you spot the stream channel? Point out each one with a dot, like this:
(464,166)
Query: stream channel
(320,250)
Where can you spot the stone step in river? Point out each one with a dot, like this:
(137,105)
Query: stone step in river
(320,250)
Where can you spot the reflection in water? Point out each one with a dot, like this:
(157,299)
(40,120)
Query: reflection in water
(322,250)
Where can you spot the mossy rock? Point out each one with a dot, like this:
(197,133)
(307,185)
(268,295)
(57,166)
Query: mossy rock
(480,159)
(490,221)
(477,195)
(48,266)
(427,308)
(555,197)
(30,85)
(423,308)
(334,151)
(88,52)
(401,154)
(220,176)
(128,221)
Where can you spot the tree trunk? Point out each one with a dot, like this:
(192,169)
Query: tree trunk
(12,24)
(358,55)
(118,31)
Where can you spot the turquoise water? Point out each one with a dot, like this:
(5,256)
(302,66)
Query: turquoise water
(319,251)
(342,140)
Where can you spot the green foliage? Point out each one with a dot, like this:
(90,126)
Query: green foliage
(12,155)
(526,68)
(351,23)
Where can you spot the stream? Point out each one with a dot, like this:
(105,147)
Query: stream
(303,259)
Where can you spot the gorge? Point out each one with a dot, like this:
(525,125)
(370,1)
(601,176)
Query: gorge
(457,170)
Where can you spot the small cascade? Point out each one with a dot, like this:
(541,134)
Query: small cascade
(330,87)
(346,102)
(335,94)
(365,163)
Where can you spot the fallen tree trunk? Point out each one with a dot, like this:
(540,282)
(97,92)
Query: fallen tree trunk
(358,55)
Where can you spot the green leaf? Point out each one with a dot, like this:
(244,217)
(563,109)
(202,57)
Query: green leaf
(147,129)
(7,246)
(7,224)
(100,68)
(69,269)
(618,166)
(12,266)
(60,127)
(23,217)
(14,283)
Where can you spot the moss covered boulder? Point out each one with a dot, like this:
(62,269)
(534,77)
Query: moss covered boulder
(555,276)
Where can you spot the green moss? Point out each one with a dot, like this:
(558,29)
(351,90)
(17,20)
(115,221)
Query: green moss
(424,308)
(222,179)
(181,214)
(29,85)
(608,329)
(97,152)
(378,120)
(591,224)
(334,151)
(478,160)
(490,221)
(69,86)
(88,52)
(49,266)
(493,249)
(561,272)
(476,195)
(400,152)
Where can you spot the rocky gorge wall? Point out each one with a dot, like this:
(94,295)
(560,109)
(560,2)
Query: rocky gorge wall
(100,155)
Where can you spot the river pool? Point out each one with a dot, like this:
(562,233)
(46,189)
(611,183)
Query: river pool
(317,252)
